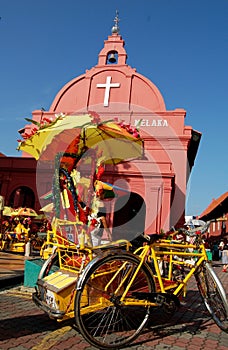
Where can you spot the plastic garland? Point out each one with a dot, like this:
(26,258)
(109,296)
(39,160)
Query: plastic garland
(56,186)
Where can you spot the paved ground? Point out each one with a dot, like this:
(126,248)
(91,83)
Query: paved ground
(23,326)
(12,268)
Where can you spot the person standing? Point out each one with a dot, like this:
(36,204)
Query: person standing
(221,245)
(225,257)
(99,217)
(100,227)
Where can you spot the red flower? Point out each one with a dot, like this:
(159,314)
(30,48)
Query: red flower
(100,172)
(94,222)
(82,215)
(47,119)
(96,118)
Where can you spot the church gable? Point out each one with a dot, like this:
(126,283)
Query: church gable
(111,81)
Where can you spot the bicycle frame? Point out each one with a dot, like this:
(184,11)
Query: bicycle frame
(163,250)
(172,251)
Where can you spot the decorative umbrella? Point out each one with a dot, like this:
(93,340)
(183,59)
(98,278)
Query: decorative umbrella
(39,137)
(71,137)
(7,211)
(76,133)
(24,212)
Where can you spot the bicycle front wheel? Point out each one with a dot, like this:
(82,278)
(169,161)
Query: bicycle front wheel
(103,318)
(214,295)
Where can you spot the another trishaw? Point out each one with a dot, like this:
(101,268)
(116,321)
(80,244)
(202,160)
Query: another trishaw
(16,233)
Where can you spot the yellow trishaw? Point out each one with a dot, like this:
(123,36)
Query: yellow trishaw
(80,147)
(111,289)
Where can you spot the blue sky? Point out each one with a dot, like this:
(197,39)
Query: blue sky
(181,46)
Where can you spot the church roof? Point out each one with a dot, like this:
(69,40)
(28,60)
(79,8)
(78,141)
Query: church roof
(217,208)
(110,83)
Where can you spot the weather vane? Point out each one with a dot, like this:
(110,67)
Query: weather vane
(115,28)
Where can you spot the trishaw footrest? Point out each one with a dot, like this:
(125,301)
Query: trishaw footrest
(52,313)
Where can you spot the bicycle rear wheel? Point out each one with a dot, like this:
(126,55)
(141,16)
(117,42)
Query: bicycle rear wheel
(213,294)
(104,321)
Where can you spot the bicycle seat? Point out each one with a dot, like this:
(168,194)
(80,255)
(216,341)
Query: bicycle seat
(142,238)
(154,237)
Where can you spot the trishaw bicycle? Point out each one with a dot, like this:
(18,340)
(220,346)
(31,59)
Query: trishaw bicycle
(116,293)
(110,290)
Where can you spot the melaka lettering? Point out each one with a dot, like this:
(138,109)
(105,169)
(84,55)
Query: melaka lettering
(153,122)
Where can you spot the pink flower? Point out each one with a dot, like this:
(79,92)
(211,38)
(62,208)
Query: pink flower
(136,134)
(96,118)
(47,119)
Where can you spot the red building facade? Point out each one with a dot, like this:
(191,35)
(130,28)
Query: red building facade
(18,182)
(217,211)
(154,186)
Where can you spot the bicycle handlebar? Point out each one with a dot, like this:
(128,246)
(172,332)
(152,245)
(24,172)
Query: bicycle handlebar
(198,230)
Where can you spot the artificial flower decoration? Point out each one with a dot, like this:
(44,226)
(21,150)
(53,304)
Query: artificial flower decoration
(76,176)
(98,188)
(132,130)
(96,118)
(100,171)
(36,126)
(75,143)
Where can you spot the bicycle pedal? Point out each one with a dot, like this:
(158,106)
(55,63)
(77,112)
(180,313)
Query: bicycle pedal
(145,296)
(142,295)
(158,298)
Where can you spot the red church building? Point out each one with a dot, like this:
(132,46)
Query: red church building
(153,187)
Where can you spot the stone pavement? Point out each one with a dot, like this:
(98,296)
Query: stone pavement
(11,268)
(23,326)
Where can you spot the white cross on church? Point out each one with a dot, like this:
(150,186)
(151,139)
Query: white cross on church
(107,87)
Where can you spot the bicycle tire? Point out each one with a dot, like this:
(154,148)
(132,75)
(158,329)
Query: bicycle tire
(213,294)
(114,325)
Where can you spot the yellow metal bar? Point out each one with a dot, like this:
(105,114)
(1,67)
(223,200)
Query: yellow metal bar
(193,254)
(114,277)
(142,259)
(174,245)
(157,269)
(170,273)
(188,276)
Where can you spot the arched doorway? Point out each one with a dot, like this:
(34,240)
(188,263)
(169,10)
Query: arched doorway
(22,197)
(129,217)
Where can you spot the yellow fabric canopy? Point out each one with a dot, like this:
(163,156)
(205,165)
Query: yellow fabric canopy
(38,143)
(75,133)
